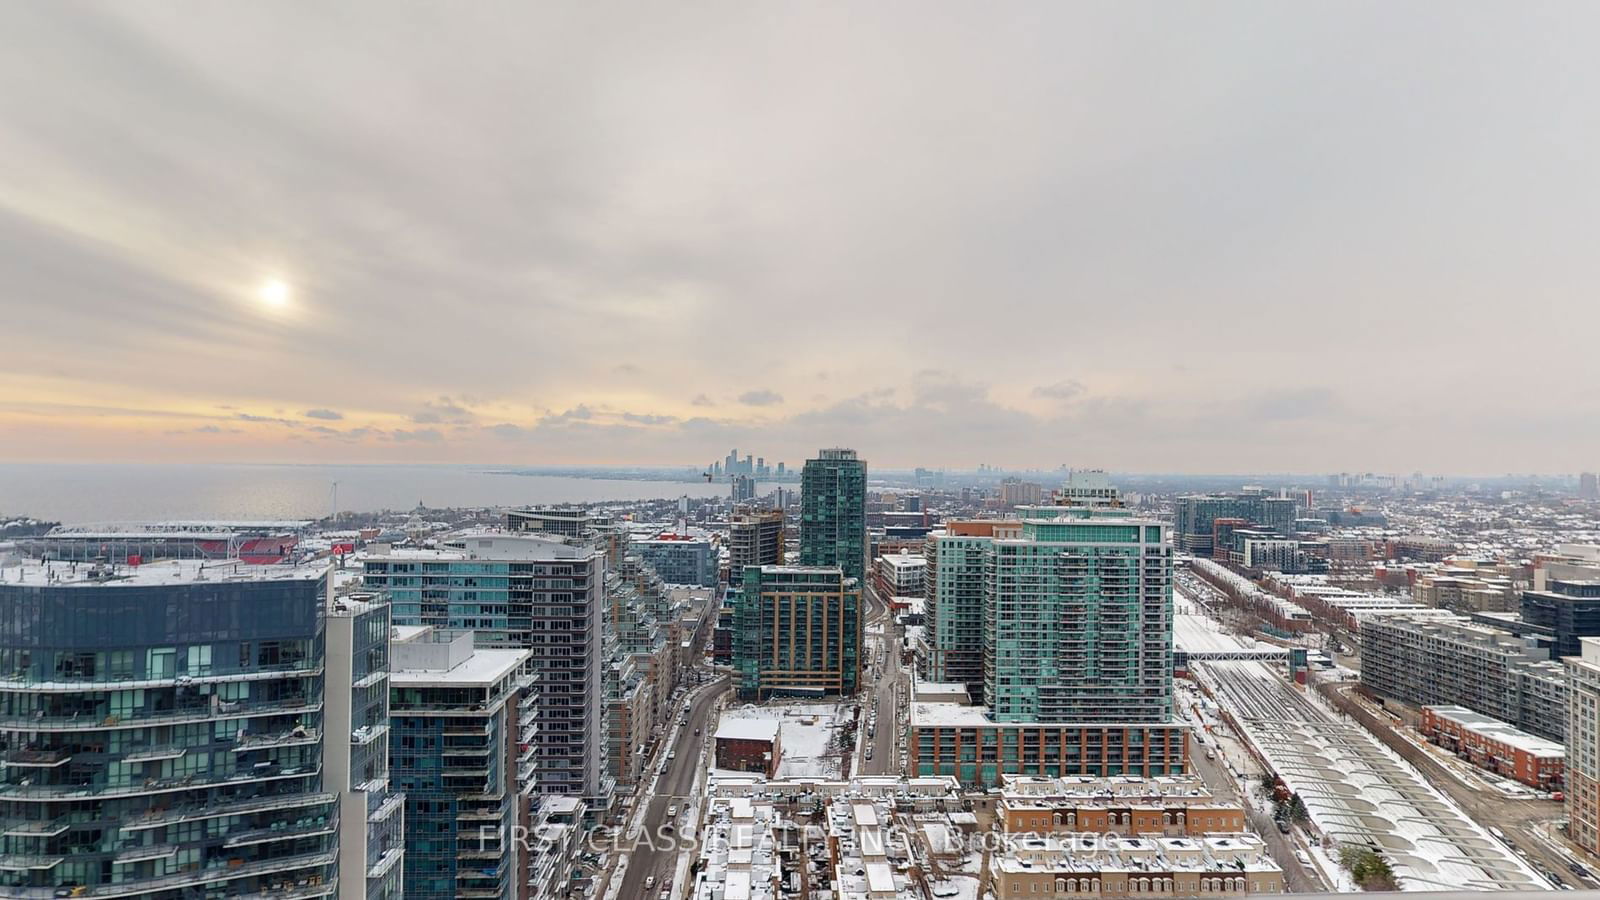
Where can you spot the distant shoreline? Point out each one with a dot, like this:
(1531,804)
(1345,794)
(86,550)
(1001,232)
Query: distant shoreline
(686,476)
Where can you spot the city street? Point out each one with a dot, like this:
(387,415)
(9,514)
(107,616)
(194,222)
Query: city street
(1296,877)
(881,684)
(673,788)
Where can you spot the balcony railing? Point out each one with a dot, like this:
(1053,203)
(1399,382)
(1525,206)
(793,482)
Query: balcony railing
(26,828)
(279,831)
(199,712)
(293,737)
(303,889)
(157,818)
(48,792)
(18,682)
(39,758)
(220,871)
(20,862)
(136,852)
(153,754)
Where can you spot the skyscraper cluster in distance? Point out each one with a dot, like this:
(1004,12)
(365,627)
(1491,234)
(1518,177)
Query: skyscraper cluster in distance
(751,465)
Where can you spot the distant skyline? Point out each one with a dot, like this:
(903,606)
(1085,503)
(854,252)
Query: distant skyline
(1241,237)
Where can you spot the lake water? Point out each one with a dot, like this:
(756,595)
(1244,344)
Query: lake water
(123,493)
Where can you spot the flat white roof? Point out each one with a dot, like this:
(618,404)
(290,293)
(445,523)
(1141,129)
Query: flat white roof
(748,729)
(57,573)
(1496,730)
(179,527)
(483,667)
(961,715)
(880,877)
(561,803)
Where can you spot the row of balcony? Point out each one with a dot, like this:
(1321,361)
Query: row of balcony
(159,817)
(99,720)
(51,757)
(26,790)
(25,682)
(311,884)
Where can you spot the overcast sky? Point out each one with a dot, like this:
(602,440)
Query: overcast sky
(1171,237)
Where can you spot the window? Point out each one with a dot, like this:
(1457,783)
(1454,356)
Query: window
(119,664)
(271,654)
(75,665)
(199,660)
(126,703)
(161,662)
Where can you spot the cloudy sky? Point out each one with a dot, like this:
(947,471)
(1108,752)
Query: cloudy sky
(1164,237)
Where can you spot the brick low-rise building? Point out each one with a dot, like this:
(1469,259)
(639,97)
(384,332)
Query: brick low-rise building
(1496,746)
(1177,806)
(962,741)
(748,745)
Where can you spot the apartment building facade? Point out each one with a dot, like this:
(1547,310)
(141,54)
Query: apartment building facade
(1096,866)
(464,753)
(900,574)
(1440,661)
(1583,746)
(163,731)
(1077,619)
(833,512)
(680,560)
(533,592)
(1172,806)
(797,632)
(954,587)
(371,811)
(1496,746)
(754,539)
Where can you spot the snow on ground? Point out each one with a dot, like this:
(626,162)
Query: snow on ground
(971,864)
(956,887)
(1200,633)
(1463,771)
(1332,872)
(807,735)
